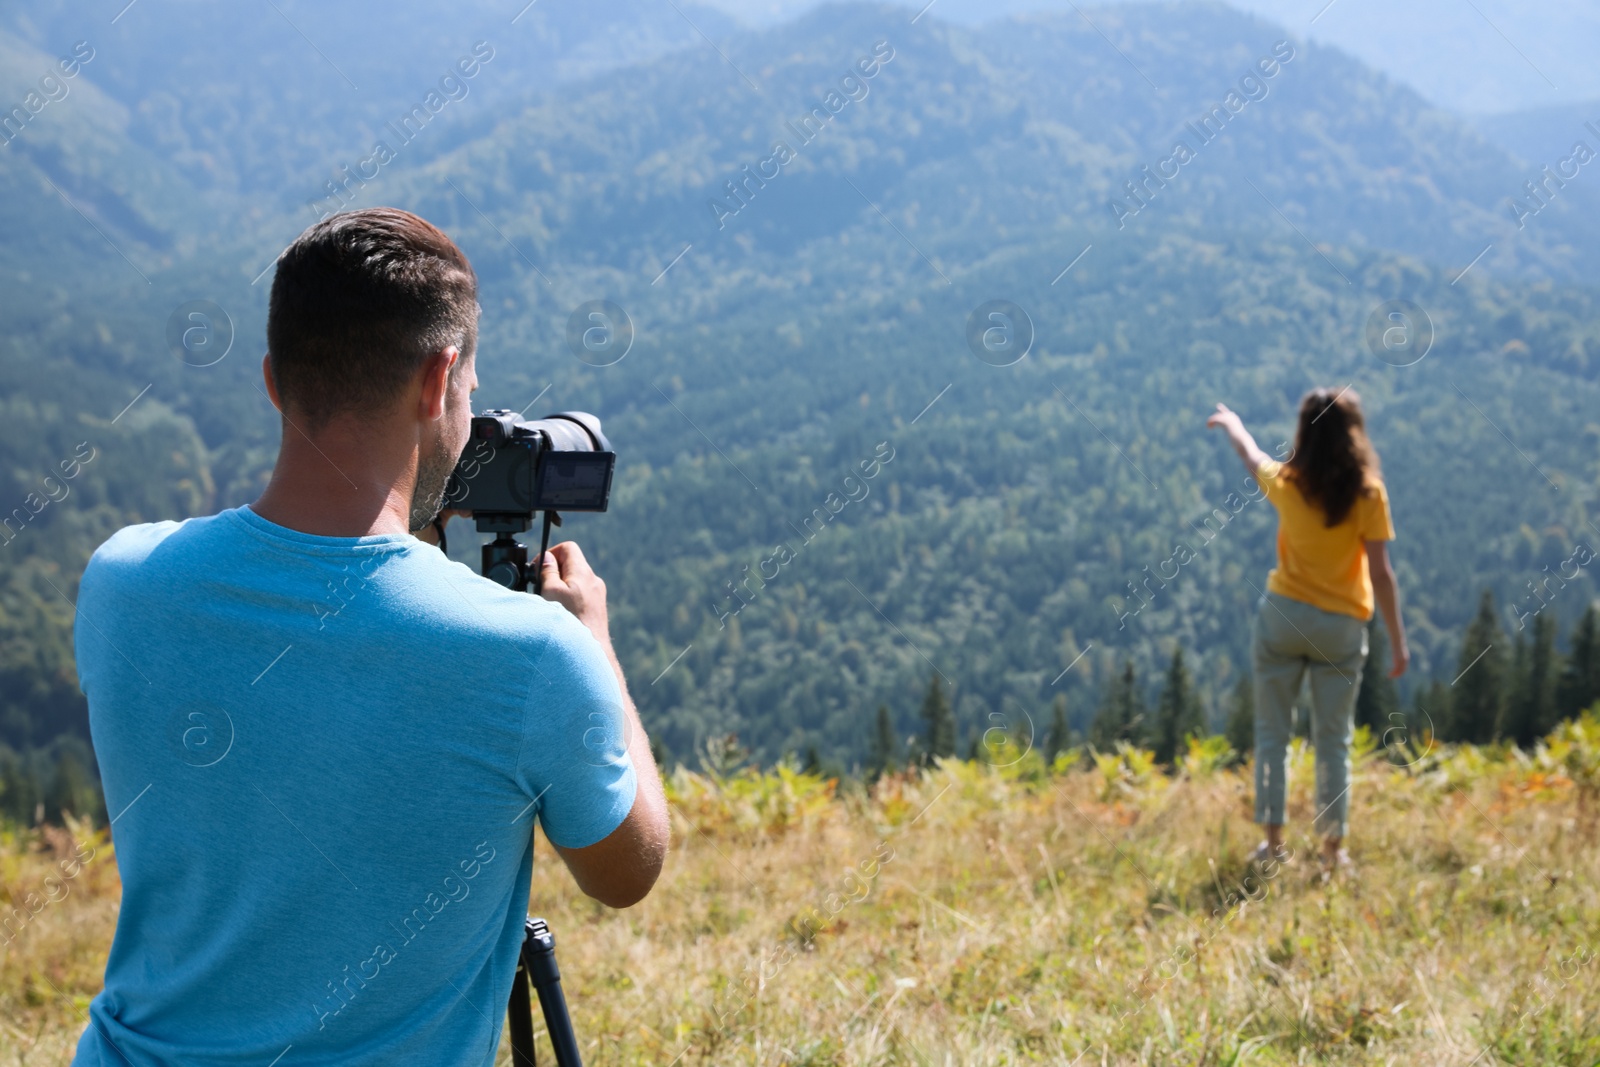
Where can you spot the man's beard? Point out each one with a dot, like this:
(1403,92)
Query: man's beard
(433,478)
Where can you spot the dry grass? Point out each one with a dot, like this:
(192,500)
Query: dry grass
(1007,915)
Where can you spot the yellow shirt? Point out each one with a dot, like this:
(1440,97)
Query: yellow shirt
(1320,565)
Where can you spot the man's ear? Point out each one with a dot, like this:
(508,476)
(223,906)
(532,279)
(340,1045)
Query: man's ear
(436,383)
(272,386)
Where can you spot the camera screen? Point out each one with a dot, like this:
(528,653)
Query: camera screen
(576,481)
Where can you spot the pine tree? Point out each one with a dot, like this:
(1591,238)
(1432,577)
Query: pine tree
(1513,697)
(1430,715)
(1544,672)
(813,761)
(941,721)
(1477,691)
(883,745)
(21,791)
(1528,710)
(1122,716)
(72,787)
(1377,702)
(1177,712)
(1055,741)
(1579,685)
(14,801)
(1241,729)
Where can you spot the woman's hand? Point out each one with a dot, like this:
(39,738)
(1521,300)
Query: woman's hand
(1226,418)
(1399,657)
(1239,437)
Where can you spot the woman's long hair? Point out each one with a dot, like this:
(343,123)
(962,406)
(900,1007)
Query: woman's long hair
(1333,463)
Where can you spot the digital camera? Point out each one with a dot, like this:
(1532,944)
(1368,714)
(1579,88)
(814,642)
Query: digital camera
(512,467)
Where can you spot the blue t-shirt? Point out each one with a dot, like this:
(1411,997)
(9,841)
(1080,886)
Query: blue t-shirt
(322,758)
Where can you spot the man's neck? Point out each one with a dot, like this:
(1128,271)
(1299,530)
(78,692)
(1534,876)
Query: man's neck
(340,483)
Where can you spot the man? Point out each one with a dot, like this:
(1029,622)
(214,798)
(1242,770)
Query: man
(324,744)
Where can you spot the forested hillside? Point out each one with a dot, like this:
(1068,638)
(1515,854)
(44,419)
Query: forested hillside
(988,543)
(801,318)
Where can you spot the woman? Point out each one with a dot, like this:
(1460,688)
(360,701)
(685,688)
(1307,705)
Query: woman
(1333,564)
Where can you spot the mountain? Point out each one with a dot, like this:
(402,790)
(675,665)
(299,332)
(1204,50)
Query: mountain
(78,193)
(161,148)
(970,139)
(1035,512)
(1543,134)
(1485,56)
(319,80)
(1000,131)
(802,223)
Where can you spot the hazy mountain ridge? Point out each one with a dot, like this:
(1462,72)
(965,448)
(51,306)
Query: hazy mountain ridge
(624,169)
(320,79)
(1538,136)
(1487,56)
(603,187)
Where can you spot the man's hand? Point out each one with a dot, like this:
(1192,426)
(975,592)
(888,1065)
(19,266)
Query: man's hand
(571,582)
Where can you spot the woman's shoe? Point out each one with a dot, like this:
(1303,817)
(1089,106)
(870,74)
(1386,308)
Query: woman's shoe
(1336,864)
(1266,856)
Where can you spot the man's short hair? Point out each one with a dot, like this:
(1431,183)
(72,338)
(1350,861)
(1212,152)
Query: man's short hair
(360,301)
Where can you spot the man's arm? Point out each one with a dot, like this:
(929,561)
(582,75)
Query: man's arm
(1386,591)
(1239,438)
(621,869)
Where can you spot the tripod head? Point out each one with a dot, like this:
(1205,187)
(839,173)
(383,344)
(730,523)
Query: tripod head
(505,559)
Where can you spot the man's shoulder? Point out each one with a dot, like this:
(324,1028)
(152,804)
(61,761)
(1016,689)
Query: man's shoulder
(131,546)
(488,609)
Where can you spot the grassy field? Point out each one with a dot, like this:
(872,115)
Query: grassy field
(989,914)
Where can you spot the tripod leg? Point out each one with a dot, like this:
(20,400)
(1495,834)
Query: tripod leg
(519,1015)
(539,957)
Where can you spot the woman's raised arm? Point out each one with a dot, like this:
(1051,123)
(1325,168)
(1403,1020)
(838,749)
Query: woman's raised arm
(1239,437)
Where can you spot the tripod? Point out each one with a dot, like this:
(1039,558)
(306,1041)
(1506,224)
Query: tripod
(505,560)
(537,963)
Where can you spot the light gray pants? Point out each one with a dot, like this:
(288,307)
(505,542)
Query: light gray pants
(1292,639)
